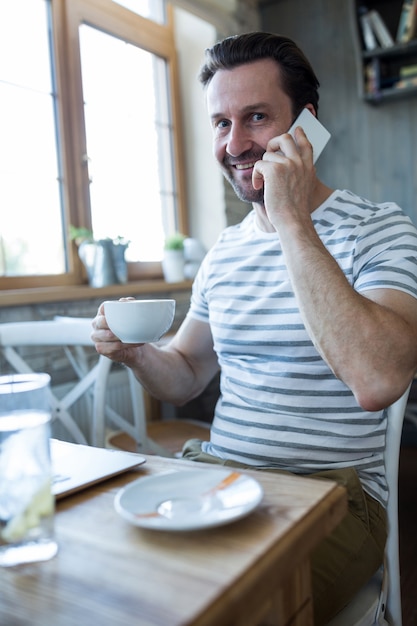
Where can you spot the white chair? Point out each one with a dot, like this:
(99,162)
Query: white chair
(378,603)
(92,372)
(16,337)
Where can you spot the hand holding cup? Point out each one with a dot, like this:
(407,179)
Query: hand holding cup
(139,321)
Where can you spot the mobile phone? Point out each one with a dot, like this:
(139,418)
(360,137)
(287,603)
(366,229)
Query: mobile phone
(317,135)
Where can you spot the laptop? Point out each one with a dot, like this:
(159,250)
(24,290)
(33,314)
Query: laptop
(77,466)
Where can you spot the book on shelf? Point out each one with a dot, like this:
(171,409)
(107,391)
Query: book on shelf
(408,21)
(406,83)
(380,30)
(407,77)
(367,32)
(372,78)
(408,71)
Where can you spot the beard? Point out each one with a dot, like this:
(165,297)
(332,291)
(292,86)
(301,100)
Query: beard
(243,188)
(244,193)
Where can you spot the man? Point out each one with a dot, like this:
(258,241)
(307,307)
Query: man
(308,307)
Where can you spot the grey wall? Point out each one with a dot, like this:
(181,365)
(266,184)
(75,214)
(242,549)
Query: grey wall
(373,150)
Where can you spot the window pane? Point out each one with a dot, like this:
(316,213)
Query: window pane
(128,142)
(152,9)
(31,236)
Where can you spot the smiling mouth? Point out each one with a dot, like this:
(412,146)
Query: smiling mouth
(244,166)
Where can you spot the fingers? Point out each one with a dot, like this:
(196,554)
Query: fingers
(304,146)
(290,147)
(101,333)
(284,149)
(106,342)
(99,322)
(257,176)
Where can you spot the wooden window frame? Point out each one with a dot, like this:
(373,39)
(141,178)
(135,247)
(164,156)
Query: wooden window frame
(67,16)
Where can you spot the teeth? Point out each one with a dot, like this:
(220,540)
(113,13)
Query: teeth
(244,166)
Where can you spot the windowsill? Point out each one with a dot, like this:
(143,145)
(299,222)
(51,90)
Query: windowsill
(17,297)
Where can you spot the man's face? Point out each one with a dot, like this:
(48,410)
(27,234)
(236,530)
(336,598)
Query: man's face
(247,108)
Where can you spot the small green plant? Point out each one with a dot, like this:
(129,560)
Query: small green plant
(175,242)
(80,234)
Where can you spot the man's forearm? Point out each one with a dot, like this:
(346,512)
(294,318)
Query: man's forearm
(370,347)
(165,374)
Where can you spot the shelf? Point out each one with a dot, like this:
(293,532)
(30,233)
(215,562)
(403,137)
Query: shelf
(389,95)
(384,67)
(399,50)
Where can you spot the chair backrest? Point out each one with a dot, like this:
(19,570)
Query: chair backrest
(379,601)
(73,335)
(103,414)
(395,420)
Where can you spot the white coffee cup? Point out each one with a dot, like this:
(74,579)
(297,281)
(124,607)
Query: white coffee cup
(139,321)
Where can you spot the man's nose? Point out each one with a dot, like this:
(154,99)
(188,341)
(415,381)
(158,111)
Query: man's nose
(238,141)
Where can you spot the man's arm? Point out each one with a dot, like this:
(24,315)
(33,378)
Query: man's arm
(368,340)
(176,372)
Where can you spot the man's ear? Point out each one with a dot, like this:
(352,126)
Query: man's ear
(312,110)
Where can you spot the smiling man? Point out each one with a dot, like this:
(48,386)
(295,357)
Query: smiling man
(247,108)
(308,308)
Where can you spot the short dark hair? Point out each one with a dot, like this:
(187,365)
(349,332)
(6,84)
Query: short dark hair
(298,79)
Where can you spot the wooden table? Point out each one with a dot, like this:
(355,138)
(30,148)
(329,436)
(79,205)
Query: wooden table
(110,573)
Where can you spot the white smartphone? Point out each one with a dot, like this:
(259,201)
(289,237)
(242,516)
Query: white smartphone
(317,135)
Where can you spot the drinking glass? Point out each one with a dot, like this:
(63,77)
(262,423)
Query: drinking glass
(26,500)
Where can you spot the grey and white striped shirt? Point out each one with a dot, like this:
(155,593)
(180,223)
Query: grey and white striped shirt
(280,403)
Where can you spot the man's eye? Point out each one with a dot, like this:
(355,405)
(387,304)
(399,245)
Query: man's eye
(257,117)
(222,124)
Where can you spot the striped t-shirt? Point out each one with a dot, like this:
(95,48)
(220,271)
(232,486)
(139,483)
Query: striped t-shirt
(280,404)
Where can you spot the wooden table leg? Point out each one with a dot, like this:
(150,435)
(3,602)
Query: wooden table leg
(292,605)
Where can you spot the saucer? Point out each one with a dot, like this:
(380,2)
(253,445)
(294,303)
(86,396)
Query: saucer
(188,499)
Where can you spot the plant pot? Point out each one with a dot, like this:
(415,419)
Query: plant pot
(173,266)
(104,262)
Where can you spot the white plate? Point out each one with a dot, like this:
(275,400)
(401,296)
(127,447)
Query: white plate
(188,499)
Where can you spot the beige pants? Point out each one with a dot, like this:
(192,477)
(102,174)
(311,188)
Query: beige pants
(348,558)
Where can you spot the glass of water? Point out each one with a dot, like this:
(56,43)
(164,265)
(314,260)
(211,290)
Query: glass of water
(26,501)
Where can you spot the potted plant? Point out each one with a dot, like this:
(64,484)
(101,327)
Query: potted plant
(104,260)
(78,234)
(173,259)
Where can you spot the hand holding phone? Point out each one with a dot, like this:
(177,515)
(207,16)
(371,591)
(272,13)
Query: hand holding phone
(317,135)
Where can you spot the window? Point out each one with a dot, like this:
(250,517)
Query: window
(147,8)
(89,135)
(29,170)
